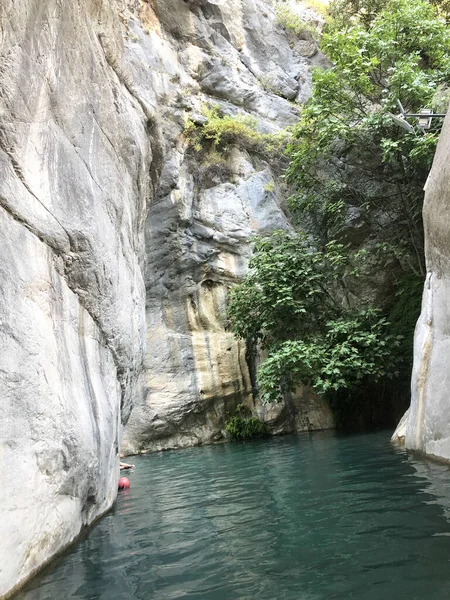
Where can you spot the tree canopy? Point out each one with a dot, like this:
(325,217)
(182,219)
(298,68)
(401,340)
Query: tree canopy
(347,150)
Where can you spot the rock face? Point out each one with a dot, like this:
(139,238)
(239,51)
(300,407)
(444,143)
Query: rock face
(233,55)
(75,166)
(301,411)
(428,421)
(118,245)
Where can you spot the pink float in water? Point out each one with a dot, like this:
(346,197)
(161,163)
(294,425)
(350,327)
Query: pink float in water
(124,483)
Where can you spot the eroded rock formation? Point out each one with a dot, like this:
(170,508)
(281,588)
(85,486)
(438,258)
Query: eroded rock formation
(232,55)
(75,181)
(427,425)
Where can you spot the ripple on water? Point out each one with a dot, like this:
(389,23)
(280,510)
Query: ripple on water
(309,517)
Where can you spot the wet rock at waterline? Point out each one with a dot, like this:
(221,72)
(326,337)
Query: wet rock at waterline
(428,421)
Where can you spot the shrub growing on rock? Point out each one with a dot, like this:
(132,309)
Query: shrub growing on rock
(220,131)
(293,304)
(242,426)
(359,181)
(245,428)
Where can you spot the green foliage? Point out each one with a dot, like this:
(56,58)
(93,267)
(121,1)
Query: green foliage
(293,302)
(242,426)
(365,11)
(222,131)
(270,186)
(288,290)
(351,11)
(319,6)
(311,300)
(294,23)
(347,151)
(344,353)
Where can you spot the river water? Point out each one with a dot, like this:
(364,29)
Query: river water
(308,517)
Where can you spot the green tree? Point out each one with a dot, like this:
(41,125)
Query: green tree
(365,11)
(294,304)
(311,299)
(347,151)
(288,292)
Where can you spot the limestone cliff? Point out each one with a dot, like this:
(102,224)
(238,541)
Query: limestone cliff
(118,246)
(75,180)
(233,55)
(427,425)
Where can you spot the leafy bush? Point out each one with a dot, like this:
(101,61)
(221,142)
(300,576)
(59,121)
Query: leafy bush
(222,131)
(300,300)
(346,149)
(246,428)
(293,303)
(288,291)
(365,11)
(242,426)
(347,352)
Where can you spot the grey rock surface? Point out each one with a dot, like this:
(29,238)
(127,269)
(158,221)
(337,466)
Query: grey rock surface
(75,161)
(428,423)
(302,410)
(398,437)
(234,55)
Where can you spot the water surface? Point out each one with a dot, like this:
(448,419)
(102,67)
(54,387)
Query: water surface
(308,517)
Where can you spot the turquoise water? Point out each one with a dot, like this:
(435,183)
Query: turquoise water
(308,517)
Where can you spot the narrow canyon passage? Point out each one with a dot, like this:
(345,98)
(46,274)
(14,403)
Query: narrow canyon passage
(302,517)
(213,227)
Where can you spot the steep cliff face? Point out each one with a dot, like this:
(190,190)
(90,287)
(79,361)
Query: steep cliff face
(427,425)
(232,55)
(75,166)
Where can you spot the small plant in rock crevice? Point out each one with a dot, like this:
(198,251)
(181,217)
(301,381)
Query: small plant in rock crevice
(214,168)
(296,25)
(319,6)
(221,131)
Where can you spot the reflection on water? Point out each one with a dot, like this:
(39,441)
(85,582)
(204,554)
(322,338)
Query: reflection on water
(308,517)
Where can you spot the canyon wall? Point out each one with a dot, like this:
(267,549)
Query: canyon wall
(426,427)
(231,55)
(76,171)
